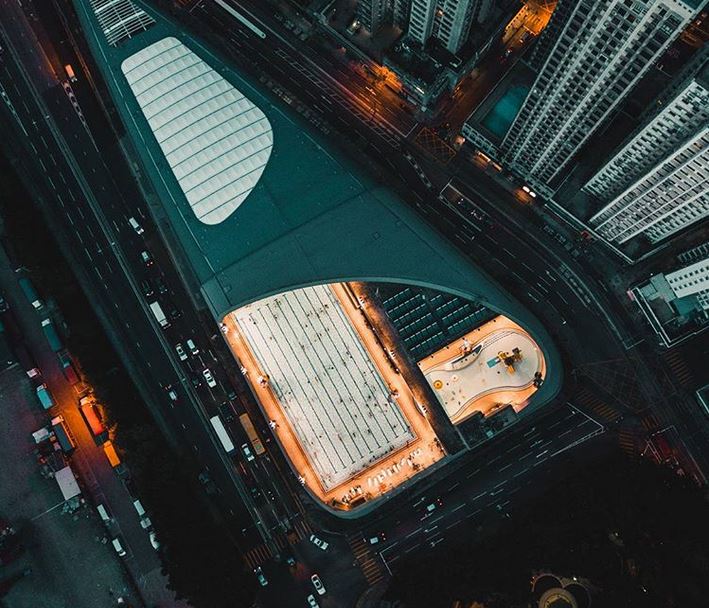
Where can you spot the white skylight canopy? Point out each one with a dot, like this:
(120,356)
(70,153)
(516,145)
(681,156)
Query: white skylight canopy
(216,141)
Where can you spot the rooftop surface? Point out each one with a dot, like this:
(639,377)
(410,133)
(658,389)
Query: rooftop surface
(347,421)
(480,381)
(333,395)
(312,217)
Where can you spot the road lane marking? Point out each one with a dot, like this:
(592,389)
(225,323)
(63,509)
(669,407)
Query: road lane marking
(522,472)
(542,453)
(416,531)
(458,507)
(502,483)
(473,513)
(507,466)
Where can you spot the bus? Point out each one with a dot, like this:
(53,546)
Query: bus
(222,434)
(30,292)
(251,432)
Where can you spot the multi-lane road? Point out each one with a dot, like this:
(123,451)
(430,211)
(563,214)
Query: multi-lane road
(63,130)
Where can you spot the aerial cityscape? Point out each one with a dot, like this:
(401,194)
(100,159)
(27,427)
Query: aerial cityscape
(354,303)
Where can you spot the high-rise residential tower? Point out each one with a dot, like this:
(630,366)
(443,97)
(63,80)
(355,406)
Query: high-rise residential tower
(447,20)
(373,14)
(588,59)
(658,182)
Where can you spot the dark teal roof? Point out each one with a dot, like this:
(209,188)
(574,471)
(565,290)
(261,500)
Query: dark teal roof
(314,217)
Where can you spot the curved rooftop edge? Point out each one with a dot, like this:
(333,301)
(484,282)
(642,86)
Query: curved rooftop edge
(312,217)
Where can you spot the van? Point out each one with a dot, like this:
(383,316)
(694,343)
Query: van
(118,547)
(135,225)
(139,507)
(103,513)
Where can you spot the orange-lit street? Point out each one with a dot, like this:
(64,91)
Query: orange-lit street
(345,418)
(491,366)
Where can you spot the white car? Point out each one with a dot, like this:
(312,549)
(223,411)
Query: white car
(135,225)
(193,347)
(247,452)
(318,542)
(118,546)
(317,583)
(312,602)
(154,540)
(180,350)
(211,382)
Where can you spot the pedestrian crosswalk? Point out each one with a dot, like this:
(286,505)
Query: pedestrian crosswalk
(650,423)
(681,373)
(262,553)
(371,566)
(628,443)
(585,399)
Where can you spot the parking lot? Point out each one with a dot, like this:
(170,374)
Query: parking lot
(66,555)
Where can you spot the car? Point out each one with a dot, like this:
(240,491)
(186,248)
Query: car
(4,306)
(162,286)
(260,576)
(192,347)
(118,546)
(147,289)
(180,350)
(174,313)
(317,583)
(196,382)
(154,540)
(211,382)
(247,452)
(135,225)
(146,258)
(380,537)
(318,542)
(172,395)
(312,602)
(290,560)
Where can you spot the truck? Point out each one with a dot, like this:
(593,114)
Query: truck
(27,362)
(44,396)
(159,315)
(30,292)
(70,72)
(111,454)
(52,336)
(87,407)
(251,433)
(68,366)
(63,434)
